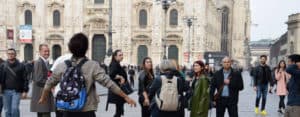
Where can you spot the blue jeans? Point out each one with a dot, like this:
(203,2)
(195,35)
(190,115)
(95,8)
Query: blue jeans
(262,91)
(11,102)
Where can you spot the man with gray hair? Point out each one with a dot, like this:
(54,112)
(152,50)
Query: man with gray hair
(228,83)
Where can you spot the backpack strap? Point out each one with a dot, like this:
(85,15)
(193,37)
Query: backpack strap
(68,63)
(82,62)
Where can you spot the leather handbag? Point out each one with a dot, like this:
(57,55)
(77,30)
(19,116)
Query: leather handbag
(126,88)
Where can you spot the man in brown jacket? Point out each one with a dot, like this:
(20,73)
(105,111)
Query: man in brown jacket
(92,73)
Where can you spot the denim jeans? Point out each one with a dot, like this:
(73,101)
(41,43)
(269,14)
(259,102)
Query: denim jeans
(262,91)
(11,102)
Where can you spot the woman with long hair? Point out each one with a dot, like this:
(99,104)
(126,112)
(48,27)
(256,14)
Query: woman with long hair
(281,77)
(145,80)
(200,86)
(115,69)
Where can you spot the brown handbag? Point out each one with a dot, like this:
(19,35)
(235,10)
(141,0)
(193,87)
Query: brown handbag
(217,95)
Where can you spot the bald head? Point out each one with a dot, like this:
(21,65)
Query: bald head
(226,63)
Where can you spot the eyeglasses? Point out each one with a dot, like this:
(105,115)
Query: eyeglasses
(11,53)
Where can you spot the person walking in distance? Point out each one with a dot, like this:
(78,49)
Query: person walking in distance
(229,83)
(14,84)
(146,78)
(281,76)
(40,75)
(131,73)
(262,77)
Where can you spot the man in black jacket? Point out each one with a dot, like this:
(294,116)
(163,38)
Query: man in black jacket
(262,77)
(228,83)
(14,84)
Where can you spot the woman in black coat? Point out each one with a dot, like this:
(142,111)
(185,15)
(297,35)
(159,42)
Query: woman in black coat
(114,70)
(145,80)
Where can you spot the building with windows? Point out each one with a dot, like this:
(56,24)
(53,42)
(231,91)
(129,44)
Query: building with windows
(288,43)
(278,50)
(140,27)
(258,48)
(293,34)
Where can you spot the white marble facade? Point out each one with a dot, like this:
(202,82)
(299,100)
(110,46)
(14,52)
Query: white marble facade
(93,19)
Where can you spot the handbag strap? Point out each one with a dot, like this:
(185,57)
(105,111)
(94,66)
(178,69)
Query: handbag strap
(10,70)
(222,86)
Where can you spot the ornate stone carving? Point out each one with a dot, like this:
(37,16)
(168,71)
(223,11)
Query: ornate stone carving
(143,4)
(95,11)
(55,5)
(26,5)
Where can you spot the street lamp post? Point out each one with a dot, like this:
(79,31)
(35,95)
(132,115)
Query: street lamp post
(189,22)
(109,51)
(165,5)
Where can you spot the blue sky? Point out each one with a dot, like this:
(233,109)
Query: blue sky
(270,17)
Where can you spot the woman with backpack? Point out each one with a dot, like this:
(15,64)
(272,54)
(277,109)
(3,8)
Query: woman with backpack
(200,91)
(167,92)
(145,79)
(88,72)
(115,69)
(281,77)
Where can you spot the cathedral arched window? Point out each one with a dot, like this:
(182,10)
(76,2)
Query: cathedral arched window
(224,29)
(173,17)
(28,17)
(143,18)
(99,1)
(225,14)
(56,18)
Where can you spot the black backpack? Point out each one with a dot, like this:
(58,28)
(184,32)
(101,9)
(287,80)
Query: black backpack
(72,94)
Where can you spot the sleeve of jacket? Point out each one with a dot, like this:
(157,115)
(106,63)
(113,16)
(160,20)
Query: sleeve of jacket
(154,87)
(238,82)
(293,70)
(213,86)
(37,75)
(141,83)
(277,75)
(101,77)
(55,76)
(25,79)
(255,73)
(271,80)
(113,71)
(1,74)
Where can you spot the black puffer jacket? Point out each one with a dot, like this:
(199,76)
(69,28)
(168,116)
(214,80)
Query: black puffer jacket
(21,78)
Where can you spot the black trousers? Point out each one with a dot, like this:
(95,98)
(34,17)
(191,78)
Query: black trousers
(119,110)
(46,114)
(281,102)
(131,81)
(226,103)
(145,111)
(79,114)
